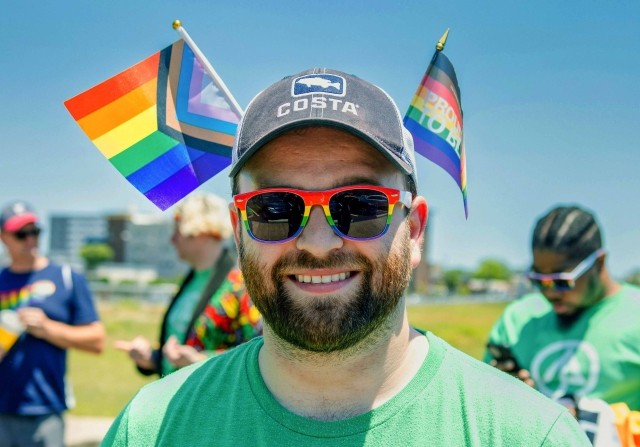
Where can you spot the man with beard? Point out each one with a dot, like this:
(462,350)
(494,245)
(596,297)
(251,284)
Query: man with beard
(578,338)
(328,224)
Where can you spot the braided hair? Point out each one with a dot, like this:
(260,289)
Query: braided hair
(569,230)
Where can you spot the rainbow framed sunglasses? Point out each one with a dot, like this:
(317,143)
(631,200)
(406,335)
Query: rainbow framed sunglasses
(564,281)
(358,212)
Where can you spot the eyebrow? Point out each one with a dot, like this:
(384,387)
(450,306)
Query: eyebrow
(566,267)
(263,184)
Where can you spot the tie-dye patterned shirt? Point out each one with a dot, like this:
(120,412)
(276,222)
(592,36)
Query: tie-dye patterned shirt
(229,318)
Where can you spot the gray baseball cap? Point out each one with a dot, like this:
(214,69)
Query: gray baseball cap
(325,97)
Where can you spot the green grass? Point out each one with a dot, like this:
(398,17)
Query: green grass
(103,384)
(464,326)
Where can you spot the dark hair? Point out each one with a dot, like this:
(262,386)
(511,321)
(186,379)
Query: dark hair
(569,230)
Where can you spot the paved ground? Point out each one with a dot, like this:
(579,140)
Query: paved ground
(84,431)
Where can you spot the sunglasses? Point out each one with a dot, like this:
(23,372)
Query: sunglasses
(21,235)
(564,281)
(358,213)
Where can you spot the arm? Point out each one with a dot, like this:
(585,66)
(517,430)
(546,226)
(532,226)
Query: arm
(499,355)
(143,355)
(87,337)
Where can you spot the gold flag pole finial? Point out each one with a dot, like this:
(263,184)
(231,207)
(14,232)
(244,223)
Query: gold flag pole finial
(176,24)
(443,40)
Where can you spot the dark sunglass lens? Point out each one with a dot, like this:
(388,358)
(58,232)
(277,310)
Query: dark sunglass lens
(23,234)
(275,216)
(359,213)
(562,285)
(559,285)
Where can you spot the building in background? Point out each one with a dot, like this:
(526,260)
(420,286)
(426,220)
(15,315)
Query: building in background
(140,242)
(68,233)
(143,241)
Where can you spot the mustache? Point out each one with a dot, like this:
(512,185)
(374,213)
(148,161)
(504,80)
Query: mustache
(306,260)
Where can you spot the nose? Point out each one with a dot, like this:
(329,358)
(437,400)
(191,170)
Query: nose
(553,295)
(318,238)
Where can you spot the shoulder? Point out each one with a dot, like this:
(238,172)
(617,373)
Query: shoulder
(527,307)
(209,373)
(498,398)
(630,291)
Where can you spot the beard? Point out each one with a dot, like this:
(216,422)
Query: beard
(328,323)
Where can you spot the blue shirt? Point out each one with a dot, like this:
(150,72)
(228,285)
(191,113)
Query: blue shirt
(32,372)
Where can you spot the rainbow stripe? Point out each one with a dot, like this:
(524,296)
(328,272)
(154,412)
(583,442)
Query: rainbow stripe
(163,124)
(434,119)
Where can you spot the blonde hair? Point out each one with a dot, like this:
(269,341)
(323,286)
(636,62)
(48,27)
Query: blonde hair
(203,213)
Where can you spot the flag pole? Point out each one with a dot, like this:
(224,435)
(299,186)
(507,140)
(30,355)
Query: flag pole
(177,25)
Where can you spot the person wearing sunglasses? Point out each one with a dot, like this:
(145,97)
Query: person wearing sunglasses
(52,310)
(578,335)
(329,225)
(212,311)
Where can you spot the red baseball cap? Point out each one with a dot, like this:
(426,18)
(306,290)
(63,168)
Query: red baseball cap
(17,215)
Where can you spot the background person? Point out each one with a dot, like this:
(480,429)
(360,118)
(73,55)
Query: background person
(577,337)
(328,224)
(211,311)
(55,307)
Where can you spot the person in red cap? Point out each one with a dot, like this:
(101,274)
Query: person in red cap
(48,309)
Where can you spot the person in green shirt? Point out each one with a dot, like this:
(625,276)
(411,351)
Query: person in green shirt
(329,224)
(212,311)
(577,337)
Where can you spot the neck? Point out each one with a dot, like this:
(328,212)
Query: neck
(28,263)
(611,287)
(334,386)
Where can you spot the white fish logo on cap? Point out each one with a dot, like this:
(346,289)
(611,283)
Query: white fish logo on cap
(328,84)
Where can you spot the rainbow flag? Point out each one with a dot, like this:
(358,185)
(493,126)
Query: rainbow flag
(164,124)
(434,119)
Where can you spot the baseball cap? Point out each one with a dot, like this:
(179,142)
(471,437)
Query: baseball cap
(16,215)
(325,97)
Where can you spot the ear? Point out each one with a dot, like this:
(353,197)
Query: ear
(600,262)
(417,221)
(235,223)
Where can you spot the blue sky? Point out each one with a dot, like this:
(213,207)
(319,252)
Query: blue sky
(549,91)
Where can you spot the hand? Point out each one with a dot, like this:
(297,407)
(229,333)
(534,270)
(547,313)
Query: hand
(140,351)
(35,321)
(508,366)
(181,355)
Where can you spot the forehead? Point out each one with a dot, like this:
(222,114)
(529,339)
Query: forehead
(547,261)
(317,158)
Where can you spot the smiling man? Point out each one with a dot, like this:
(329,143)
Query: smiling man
(328,224)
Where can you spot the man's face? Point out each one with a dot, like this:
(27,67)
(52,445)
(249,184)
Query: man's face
(588,287)
(23,243)
(321,292)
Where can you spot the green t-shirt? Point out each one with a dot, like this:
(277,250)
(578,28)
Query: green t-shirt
(182,311)
(454,400)
(598,356)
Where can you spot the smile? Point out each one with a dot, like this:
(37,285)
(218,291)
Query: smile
(324,279)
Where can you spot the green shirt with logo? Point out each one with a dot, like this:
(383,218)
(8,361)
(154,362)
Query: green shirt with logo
(597,356)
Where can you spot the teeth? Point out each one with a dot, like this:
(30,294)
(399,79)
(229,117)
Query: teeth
(324,278)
